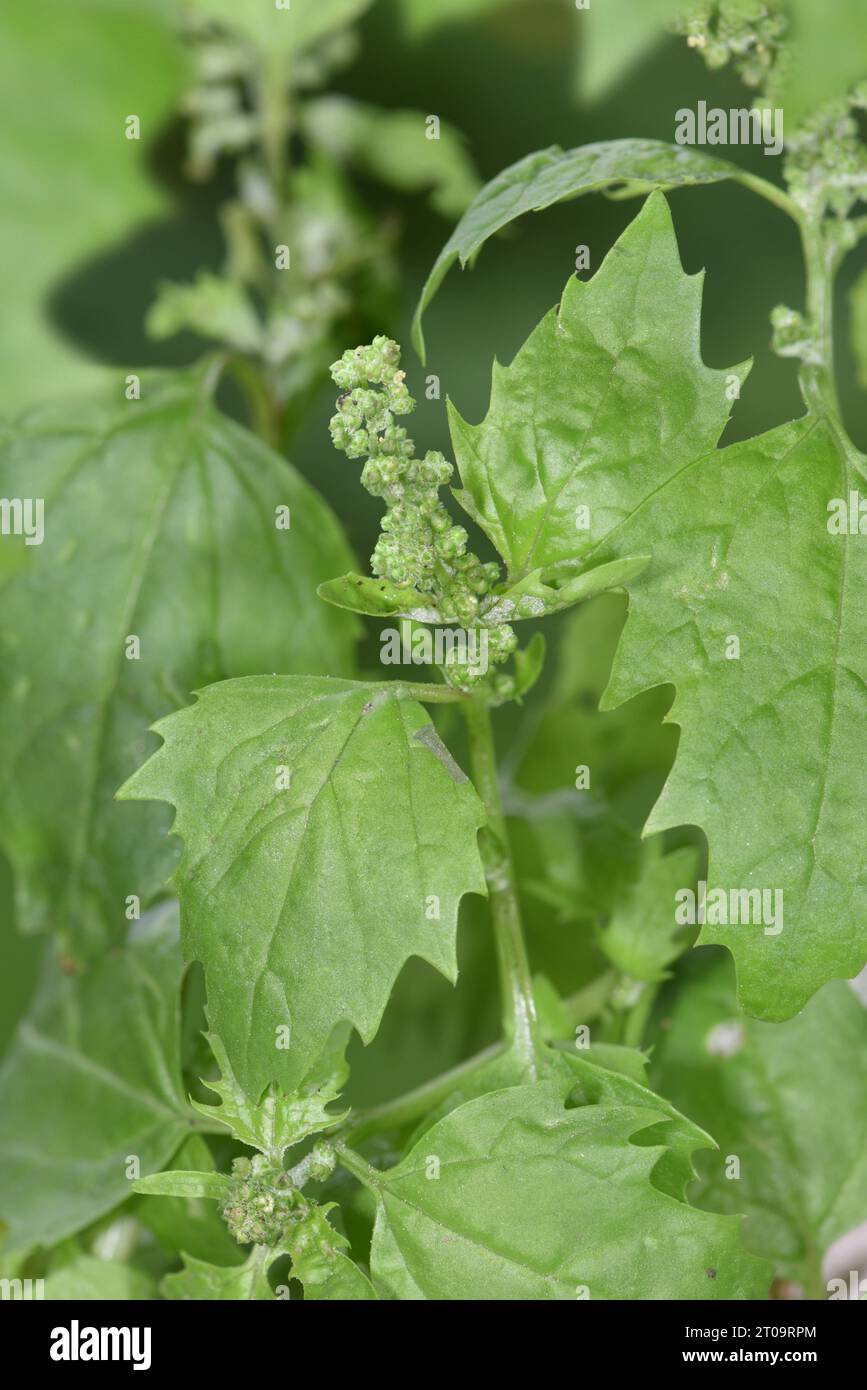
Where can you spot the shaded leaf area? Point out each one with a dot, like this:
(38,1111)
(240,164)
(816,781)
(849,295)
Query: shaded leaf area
(91,1082)
(858,326)
(21,956)
(86,1278)
(289,791)
(64,115)
(585,875)
(162,567)
(785,1101)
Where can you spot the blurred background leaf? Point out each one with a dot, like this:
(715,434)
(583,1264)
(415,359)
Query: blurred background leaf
(72,183)
(786,1100)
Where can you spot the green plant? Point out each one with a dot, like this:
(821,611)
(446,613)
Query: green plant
(328,828)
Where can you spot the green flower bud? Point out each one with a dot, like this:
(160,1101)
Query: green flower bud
(260,1202)
(323,1161)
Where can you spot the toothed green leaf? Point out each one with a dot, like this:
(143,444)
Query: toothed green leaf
(514,1196)
(642,936)
(328,836)
(549,176)
(278,1120)
(752,607)
(200,1281)
(607,397)
(320,1262)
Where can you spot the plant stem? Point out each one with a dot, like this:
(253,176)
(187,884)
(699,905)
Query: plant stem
(859,228)
(589,1002)
(357,1166)
(415,1104)
(636,1020)
(264,410)
(427,692)
(520,1023)
(770,192)
(822,255)
(273,101)
(202,1126)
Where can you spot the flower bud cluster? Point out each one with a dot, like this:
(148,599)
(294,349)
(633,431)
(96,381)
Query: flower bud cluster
(262,1202)
(826,162)
(750,35)
(420,546)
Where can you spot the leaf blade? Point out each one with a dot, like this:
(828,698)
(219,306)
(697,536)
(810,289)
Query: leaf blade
(524,1207)
(288,961)
(95,1069)
(136,492)
(743,553)
(548,176)
(771,1094)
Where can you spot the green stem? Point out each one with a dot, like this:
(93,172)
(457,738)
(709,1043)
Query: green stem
(520,1023)
(357,1166)
(859,228)
(427,693)
(415,1104)
(587,1003)
(815,1288)
(273,102)
(822,254)
(264,411)
(635,1025)
(771,193)
(202,1126)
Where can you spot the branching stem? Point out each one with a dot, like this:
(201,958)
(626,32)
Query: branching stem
(771,193)
(415,1104)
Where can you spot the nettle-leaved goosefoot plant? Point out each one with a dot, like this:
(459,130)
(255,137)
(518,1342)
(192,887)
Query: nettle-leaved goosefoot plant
(328,829)
(329,833)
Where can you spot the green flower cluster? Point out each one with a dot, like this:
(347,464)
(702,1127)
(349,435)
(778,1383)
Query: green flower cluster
(751,36)
(793,336)
(420,547)
(263,1201)
(826,162)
